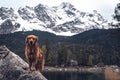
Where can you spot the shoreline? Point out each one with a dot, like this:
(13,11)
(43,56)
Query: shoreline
(75,69)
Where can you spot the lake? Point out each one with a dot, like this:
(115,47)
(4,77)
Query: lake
(73,76)
(109,74)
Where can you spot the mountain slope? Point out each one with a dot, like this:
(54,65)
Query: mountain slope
(102,45)
(64,19)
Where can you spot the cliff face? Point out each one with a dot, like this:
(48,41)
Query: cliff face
(12,67)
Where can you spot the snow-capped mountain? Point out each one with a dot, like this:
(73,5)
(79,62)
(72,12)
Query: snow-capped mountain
(64,19)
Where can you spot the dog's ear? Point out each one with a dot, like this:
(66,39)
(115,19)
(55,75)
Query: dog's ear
(26,41)
(37,38)
(36,41)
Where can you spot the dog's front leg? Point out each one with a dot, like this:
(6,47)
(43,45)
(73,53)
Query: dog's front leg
(30,64)
(38,65)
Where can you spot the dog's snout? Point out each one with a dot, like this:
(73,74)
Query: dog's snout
(31,42)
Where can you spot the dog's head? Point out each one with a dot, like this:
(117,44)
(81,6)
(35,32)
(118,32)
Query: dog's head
(31,40)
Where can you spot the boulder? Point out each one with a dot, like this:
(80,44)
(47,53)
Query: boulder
(12,67)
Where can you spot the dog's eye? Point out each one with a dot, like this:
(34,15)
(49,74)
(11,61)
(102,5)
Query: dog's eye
(36,39)
(33,39)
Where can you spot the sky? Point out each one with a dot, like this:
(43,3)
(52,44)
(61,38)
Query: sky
(104,7)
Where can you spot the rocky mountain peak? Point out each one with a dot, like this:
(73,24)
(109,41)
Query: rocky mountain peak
(67,5)
(63,20)
(27,13)
(7,13)
(40,6)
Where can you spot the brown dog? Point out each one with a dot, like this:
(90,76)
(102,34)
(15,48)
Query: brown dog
(34,54)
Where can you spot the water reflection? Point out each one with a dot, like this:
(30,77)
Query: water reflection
(72,76)
(109,74)
(112,74)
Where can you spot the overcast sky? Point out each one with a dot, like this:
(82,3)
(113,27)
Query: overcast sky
(104,7)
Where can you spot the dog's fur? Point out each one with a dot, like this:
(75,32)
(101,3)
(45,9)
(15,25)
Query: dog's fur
(34,54)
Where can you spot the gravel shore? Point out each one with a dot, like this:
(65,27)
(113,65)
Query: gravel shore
(76,69)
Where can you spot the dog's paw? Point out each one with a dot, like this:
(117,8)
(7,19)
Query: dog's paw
(32,69)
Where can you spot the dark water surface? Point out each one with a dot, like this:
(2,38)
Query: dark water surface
(108,74)
(73,76)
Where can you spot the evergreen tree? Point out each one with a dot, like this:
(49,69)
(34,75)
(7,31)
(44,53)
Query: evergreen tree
(90,60)
(117,12)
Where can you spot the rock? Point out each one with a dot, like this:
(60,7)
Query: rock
(112,73)
(73,62)
(12,67)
